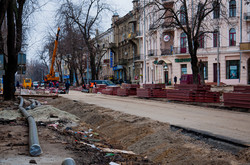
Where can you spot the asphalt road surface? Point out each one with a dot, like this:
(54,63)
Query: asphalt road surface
(230,125)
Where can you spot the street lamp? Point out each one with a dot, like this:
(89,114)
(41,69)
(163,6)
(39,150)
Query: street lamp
(144,40)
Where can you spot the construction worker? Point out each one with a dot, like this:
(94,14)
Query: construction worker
(91,87)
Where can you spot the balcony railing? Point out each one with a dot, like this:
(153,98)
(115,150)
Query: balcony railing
(166,52)
(245,46)
(152,27)
(152,53)
(139,33)
(111,45)
(247,16)
(123,61)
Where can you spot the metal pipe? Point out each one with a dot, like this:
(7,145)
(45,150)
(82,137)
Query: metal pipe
(34,146)
(38,103)
(68,161)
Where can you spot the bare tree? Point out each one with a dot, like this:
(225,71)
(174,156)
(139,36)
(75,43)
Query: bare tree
(35,70)
(13,11)
(100,50)
(86,15)
(192,17)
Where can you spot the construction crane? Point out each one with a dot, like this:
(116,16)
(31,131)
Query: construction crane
(51,76)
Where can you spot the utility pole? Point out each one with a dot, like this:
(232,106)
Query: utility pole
(144,42)
(218,55)
(240,37)
(87,69)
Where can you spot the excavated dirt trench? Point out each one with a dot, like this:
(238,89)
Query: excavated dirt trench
(152,139)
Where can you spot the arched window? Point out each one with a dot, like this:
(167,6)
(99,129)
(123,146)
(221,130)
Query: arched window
(232,37)
(183,43)
(232,8)
(216,10)
(182,15)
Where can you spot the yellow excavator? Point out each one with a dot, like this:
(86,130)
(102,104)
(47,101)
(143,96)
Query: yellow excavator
(51,76)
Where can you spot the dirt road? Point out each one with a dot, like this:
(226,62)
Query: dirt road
(224,124)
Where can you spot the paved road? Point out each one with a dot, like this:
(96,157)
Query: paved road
(225,124)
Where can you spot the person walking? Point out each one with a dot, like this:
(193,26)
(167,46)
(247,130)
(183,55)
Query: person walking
(175,79)
(17,84)
(67,85)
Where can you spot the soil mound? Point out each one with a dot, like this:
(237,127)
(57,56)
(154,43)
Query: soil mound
(144,136)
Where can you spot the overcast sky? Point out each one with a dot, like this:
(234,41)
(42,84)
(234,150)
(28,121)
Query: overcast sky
(44,23)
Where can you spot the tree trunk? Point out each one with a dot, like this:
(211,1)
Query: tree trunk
(93,66)
(195,69)
(76,76)
(9,78)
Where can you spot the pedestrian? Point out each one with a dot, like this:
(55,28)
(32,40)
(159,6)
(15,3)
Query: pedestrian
(17,84)
(67,85)
(50,84)
(175,79)
(57,84)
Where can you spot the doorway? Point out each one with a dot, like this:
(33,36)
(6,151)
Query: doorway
(166,77)
(215,71)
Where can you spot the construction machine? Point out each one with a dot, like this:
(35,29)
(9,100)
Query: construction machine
(51,76)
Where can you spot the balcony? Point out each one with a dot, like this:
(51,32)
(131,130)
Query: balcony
(165,52)
(123,61)
(152,27)
(139,34)
(152,53)
(245,46)
(111,45)
(247,16)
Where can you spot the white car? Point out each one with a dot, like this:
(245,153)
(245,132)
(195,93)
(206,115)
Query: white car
(35,84)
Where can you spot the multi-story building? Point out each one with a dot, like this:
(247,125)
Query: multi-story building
(104,54)
(126,46)
(167,50)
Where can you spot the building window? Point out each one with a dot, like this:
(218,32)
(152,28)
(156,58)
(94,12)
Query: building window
(232,37)
(232,69)
(182,15)
(183,43)
(201,40)
(215,38)
(216,10)
(232,8)
(183,69)
(205,70)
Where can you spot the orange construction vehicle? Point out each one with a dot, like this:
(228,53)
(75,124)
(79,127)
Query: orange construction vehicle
(51,76)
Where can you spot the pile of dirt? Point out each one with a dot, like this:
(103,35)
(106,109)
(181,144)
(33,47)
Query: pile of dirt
(60,137)
(150,138)
(44,113)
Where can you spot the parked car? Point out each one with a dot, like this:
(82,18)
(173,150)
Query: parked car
(62,90)
(36,84)
(106,82)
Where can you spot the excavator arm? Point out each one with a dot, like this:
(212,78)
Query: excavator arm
(51,76)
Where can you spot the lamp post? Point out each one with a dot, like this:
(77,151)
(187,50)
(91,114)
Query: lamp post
(87,69)
(218,56)
(240,37)
(144,40)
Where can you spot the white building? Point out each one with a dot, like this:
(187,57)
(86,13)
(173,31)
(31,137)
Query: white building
(167,50)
